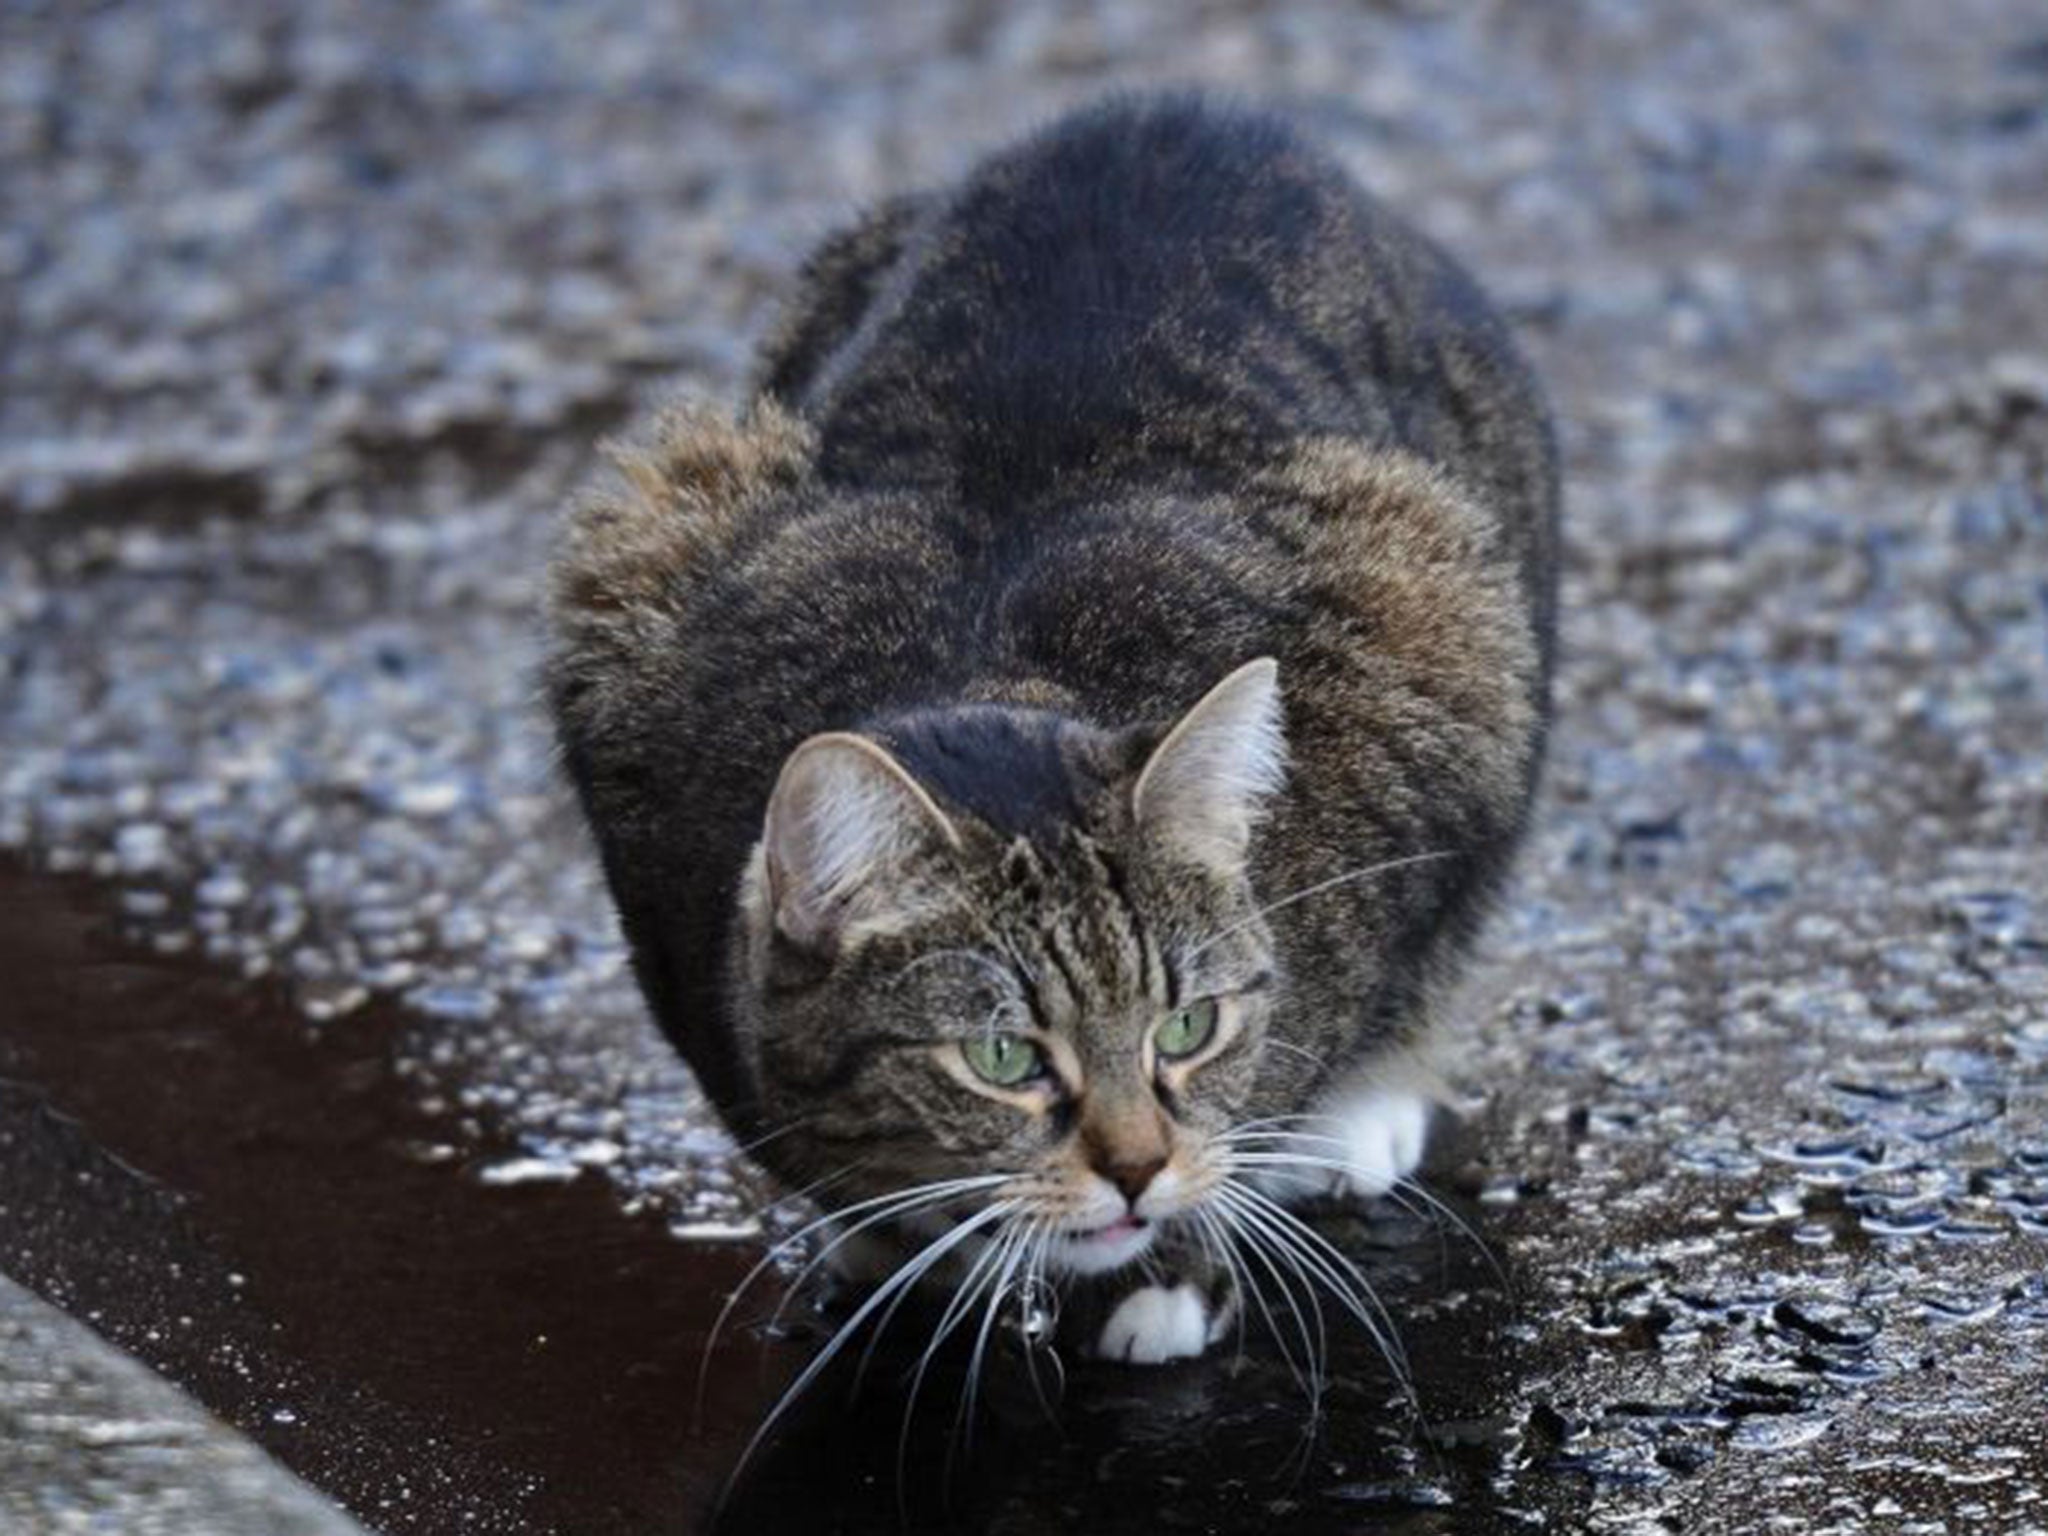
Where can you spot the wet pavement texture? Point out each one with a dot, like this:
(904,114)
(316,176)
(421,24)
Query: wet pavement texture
(323,1088)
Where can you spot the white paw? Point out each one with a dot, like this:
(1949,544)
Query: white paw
(1363,1144)
(1154,1324)
(1381,1132)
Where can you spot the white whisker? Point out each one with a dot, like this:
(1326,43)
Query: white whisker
(1303,1265)
(963,1418)
(967,1284)
(906,1206)
(1217,1246)
(896,1202)
(1034,1285)
(1414,1187)
(1307,1374)
(1274,1044)
(1328,1263)
(985,1272)
(1246,1135)
(907,1275)
(1314,890)
(747,1148)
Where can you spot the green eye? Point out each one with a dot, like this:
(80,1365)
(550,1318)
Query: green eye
(1004,1060)
(1186,1032)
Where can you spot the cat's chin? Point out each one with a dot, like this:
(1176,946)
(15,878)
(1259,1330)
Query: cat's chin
(1099,1251)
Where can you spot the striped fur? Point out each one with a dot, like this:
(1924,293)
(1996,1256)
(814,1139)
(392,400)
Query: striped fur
(1036,461)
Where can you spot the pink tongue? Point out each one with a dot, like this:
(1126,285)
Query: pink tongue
(1119,1227)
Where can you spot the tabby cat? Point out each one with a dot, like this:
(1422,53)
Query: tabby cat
(1051,748)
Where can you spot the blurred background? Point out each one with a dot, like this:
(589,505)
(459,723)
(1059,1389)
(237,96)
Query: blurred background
(325,1097)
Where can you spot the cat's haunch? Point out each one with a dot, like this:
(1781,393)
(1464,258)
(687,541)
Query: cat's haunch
(1050,750)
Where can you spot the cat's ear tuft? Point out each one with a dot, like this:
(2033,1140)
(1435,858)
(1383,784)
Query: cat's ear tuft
(1204,786)
(846,831)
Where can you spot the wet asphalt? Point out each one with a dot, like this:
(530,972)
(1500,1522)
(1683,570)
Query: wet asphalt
(322,1086)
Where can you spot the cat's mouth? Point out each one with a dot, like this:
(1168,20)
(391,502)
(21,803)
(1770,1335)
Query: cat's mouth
(1110,1246)
(1123,1226)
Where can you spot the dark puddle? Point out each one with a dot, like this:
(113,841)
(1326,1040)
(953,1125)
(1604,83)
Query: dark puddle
(244,1203)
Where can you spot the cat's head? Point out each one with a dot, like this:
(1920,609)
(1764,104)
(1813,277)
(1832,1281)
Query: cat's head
(991,943)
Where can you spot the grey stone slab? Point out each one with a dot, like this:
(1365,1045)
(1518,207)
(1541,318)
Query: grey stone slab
(91,1440)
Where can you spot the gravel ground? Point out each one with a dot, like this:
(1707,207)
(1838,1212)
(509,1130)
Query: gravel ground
(309,318)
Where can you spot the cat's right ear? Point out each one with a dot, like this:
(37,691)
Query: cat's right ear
(847,830)
(1205,784)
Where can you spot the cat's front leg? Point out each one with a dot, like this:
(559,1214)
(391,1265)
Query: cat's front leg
(1365,1140)
(1172,1307)
(1380,1133)
(1157,1323)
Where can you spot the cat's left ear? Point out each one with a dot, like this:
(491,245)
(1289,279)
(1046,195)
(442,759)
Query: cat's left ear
(1204,786)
